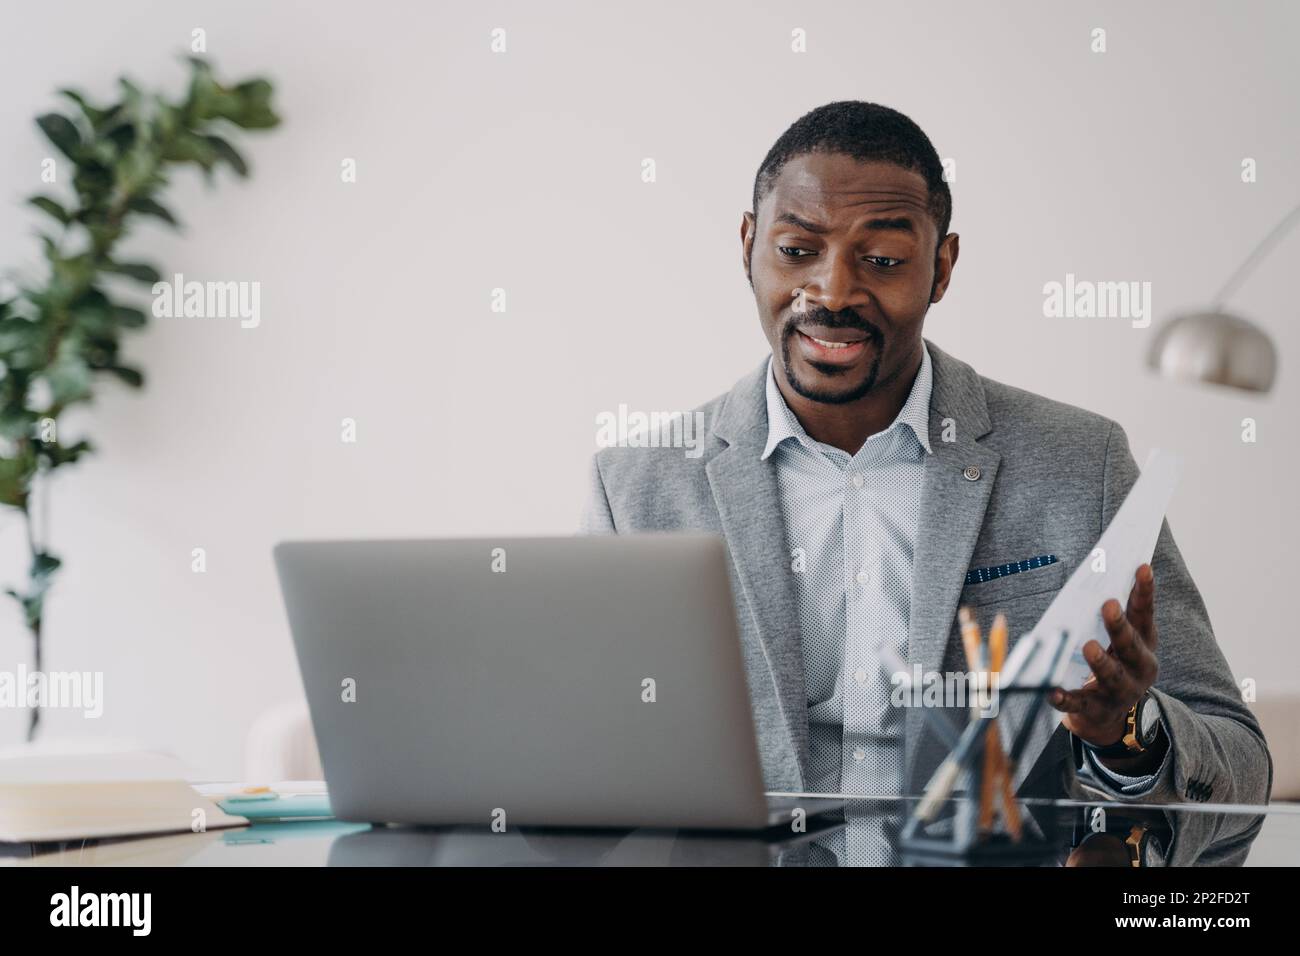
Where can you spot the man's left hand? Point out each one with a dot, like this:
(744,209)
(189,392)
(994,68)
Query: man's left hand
(1121,674)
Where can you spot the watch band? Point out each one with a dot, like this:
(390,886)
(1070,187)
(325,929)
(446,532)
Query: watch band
(1134,842)
(1130,743)
(1144,837)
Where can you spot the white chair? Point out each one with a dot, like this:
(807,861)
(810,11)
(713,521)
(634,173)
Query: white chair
(281,746)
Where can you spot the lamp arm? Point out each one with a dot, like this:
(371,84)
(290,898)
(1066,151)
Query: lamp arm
(1260,251)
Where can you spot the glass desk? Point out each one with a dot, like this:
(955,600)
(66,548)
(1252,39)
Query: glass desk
(1070,833)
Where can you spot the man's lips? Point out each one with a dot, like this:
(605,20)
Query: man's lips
(841,336)
(832,346)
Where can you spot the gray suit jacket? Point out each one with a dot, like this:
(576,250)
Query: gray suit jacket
(1051,478)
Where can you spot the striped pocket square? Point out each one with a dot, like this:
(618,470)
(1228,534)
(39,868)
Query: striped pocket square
(980,575)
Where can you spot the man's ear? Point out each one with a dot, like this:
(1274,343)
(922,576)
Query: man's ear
(747,223)
(945,258)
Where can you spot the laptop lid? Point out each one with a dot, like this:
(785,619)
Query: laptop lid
(578,681)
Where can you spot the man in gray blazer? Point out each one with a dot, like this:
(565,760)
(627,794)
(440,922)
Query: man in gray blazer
(868,485)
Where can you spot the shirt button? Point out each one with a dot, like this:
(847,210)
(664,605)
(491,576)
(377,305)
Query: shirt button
(863,578)
(860,676)
(858,480)
(859,755)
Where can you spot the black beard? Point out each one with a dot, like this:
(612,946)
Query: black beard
(829,397)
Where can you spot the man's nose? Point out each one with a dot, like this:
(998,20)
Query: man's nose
(837,283)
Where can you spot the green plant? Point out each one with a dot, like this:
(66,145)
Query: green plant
(59,336)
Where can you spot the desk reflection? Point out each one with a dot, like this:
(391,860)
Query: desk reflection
(867,833)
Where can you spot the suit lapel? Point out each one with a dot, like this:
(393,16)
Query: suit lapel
(956,486)
(749,505)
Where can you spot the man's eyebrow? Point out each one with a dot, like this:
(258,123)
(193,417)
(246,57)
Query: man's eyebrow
(900,223)
(896,223)
(801,223)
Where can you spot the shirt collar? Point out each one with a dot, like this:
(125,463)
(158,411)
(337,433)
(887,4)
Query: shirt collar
(915,413)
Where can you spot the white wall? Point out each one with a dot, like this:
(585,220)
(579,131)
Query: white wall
(522,171)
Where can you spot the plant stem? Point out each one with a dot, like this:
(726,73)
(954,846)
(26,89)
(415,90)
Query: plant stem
(34,718)
(34,714)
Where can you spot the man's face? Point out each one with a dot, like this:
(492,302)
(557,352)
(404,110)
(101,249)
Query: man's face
(859,241)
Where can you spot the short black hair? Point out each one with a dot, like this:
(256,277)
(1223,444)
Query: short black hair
(867,132)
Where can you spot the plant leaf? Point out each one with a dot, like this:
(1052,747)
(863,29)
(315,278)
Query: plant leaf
(188,148)
(129,318)
(140,271)
(58,454)
(256,112)
(70,277)
(149,207)
(69,377)
(44,564)
(16,423)
(15,478)
(224,151)
(31,607)
(62,133)
(93,312)
(95,115)
(131,376)
(48,205)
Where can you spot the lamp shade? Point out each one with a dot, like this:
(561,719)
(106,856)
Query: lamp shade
(1215,347)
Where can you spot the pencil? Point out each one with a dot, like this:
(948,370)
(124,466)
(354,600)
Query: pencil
(945,778)
(1001,770)
(972,641)
(992,743)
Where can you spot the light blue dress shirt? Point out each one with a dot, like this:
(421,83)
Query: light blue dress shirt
(850,525)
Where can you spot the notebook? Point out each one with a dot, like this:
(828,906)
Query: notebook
(55,796)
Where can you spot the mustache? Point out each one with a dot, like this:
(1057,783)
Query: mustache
(844,319)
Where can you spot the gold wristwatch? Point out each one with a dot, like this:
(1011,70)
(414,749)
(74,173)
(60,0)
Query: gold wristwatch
(1141,729)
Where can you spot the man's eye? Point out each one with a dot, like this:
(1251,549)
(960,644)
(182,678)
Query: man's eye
(884,261)
(794,252)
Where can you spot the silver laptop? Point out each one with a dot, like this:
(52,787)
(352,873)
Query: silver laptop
(581,681)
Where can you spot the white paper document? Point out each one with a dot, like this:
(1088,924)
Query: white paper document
(1128,542)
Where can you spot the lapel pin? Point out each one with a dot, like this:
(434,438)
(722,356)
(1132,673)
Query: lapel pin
(971,473)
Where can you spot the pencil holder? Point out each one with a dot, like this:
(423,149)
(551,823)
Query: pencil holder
(969,813)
